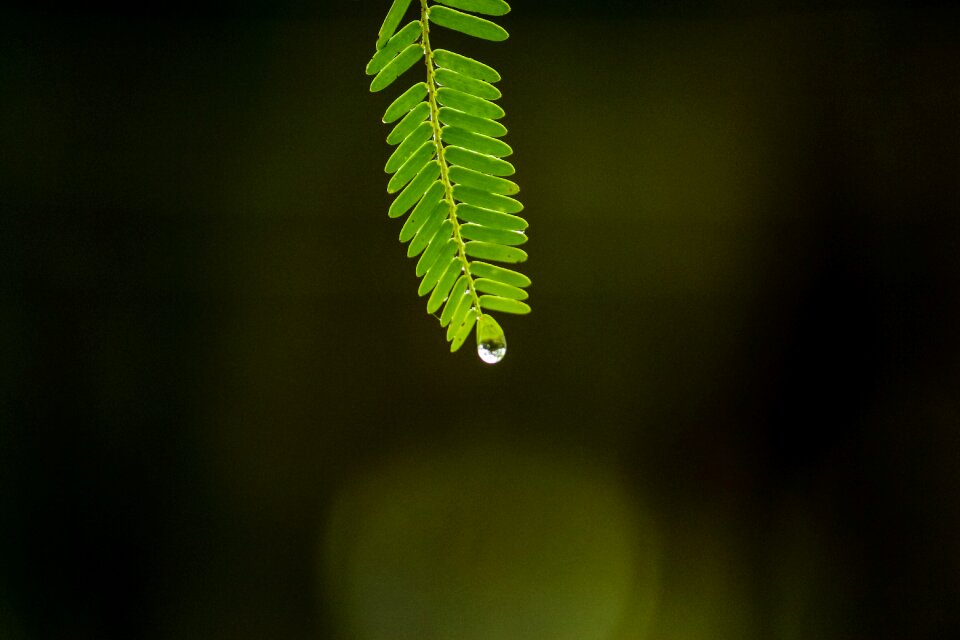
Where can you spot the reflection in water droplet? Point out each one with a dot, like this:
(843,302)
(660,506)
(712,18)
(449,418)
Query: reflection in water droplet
(491,343)
(492,351)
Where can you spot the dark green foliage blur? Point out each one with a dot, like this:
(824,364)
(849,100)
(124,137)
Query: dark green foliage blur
(732,414)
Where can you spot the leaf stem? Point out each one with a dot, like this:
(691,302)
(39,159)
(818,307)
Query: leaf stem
(444,169)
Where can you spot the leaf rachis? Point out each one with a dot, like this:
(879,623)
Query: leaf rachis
(437,138)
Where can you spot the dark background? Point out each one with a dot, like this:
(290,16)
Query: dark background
(742,364)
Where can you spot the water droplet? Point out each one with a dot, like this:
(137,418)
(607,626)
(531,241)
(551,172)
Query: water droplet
(491,343)
(492,351)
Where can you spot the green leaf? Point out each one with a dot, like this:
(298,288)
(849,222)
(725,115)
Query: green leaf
(495,252)
(463,332)
(463,308)
(500,274)
(390,23)
(442,289)
(435,218)
(397,43)
(486,200)
(484,126)
(475,142)
(478,161)
(460,82)
(471,178)
(435,249)
(421,213)
(488,7)
(500,289)
(465,65)
(409,122)
(461,223)
(439,267)
(412,166)
(469,104)
(490,218)
(406,59)
(466,23)
(405,101)
(415,190)
(455,299)
(506,305)
(411,143)
(488,234)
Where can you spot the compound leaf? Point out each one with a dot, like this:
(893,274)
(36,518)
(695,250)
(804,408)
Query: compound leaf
(448,173)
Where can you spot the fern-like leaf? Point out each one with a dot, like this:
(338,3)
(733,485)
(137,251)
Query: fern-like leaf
(449,174)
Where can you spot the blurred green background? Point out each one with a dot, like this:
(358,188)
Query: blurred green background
(733,413)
